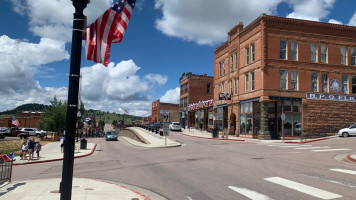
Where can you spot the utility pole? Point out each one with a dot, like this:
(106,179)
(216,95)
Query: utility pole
(72,105)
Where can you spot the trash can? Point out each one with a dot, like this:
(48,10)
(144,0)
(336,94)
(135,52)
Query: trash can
(215,133)
(83,144)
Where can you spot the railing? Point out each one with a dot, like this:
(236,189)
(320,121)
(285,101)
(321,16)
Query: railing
(5,169)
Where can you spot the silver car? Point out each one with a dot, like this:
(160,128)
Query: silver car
(345,132)
(111,135)
(175,126)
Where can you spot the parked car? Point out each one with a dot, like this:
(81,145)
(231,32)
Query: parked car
(345,132)
(175,126)
(13,132)
(111,135)
(32,132)
(41,132)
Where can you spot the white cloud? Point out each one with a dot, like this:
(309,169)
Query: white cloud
(333,21)
(352,21)
(208,21)
(157,78)
(311,9)
(171,96)
(54,19)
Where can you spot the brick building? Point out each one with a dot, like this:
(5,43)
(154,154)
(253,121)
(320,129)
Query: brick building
(158,106)
(281,75)
(196,100)
(26,119)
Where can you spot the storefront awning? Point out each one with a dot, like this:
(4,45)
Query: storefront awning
(250,100)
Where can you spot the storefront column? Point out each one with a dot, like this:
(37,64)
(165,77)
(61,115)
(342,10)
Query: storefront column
(264,133)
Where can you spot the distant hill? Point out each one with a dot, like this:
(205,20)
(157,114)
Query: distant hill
(106,116)
(33,107)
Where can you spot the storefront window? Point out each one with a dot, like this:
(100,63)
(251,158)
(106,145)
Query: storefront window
(249,123)
(287,106)
(297,125)
(296,106)
(288,124)
(211,117)
(242,123)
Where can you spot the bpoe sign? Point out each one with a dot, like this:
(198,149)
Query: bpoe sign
(331,97)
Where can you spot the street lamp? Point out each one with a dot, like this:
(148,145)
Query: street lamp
(72,102)
(78,120)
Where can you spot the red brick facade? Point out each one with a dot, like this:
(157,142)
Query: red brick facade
(281,73)
(195,89)
(157,106)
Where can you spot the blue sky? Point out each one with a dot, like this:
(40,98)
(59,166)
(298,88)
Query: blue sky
(164,39)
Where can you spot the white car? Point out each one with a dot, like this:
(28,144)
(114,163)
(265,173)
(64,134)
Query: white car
(345,132)
(175,126)
(33,132)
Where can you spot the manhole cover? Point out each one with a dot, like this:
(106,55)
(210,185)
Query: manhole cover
(54,191)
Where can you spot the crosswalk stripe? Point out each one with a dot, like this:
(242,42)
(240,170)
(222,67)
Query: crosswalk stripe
(344,171)
(322,194)
(292,146)
(250,193)
(331,150)
(311,147)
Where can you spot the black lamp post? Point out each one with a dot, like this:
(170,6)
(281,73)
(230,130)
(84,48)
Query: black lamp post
(72,106)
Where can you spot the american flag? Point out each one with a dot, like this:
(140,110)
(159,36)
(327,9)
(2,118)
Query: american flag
(126,111)
(108,28)
(15,121)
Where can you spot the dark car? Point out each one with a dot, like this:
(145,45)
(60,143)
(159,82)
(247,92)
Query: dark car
(111,135)
(13,132)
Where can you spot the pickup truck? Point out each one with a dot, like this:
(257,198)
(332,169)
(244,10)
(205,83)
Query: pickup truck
(5,132)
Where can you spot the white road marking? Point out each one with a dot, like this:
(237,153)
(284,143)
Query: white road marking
(346,171)
(322,194)
(312,147)
(292,146)
(189,198)
(332,150)
(250,193)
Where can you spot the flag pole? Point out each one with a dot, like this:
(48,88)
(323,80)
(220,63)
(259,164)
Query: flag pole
(72,103)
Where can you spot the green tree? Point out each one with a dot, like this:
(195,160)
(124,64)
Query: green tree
(114,122)
(54,117)
(102,125)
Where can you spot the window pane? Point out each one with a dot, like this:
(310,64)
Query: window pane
(344,84)
(323,53)
(353,84)
(313,50)
(294,81)
(297,125)
(246,107)
(343,55)
(314,80)
(247,61)
(294,47)
(249,123)
(296,106)
(353,56)
(250,107)
(252,52)
(283,79)
(324,78)
(242,123)
(252,80)
(287,106)
(283,49)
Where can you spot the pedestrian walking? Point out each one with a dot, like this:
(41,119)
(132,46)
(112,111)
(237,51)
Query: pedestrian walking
(24,149)
(38,149)
(31,149)
(61,142)
(201,126)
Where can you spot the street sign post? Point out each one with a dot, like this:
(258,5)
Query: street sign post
(165,115)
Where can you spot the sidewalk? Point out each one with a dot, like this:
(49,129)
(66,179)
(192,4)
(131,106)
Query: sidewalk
(83,189)
(52,152)
(154,140)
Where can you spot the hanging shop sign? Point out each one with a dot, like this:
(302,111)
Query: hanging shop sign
(331,97)
(224,96)
(200,104)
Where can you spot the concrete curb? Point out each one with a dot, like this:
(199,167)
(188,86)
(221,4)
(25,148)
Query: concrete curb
(351,158)
(238,140)
(52,160)
(320,139)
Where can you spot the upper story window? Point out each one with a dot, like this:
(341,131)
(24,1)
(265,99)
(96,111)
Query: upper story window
(353,82)
(353,56)
(343,56)
(252,81)
(294,80)
(252,52)
(235,85)
(208,88)
(247,59)
(231,62)
(230,86)
(283,78)
(313,52)
(314,81)
(220,69)
(294,50)
(324,53)
(246,82)
(223,87)
(345,84)
(324,82)
(224,67)
(235,60)
(283,49)
(181,89)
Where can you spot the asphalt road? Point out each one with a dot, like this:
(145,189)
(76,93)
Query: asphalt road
(213,169)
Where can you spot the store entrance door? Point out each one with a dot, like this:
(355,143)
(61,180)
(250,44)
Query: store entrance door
(272,127)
